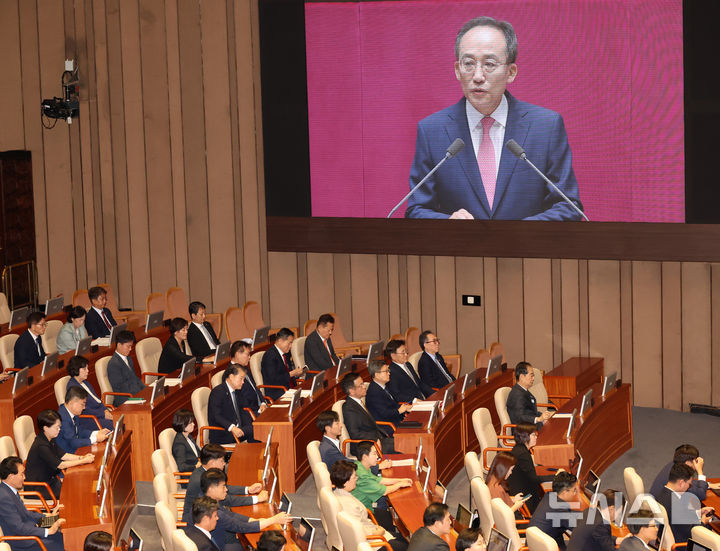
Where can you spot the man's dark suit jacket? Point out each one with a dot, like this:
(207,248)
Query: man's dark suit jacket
(681,513)
(552,520)
(92,407)
(275,372)
(221,413)
(524,479)
(185,457)
(431,374)
(197,341)
(521,406)
(404,388)
(229,524)
(67,439)
(329,452)
(236,496)
(591,534)
(382,406)
(26,351)
(95,325)
(172,357)
(316,355)
(633,543)
(16,520)
(249,394)
(122,378)
(202,542)
(697,487)
(424,540)
(361,426)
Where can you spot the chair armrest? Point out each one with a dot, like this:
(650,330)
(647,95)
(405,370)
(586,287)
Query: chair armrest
(678,545)
(522,531)
(180,524)
(88,416)
(508,426)
(560,396)
(485,454)
(152,374)
(273,386)
(371,516)
(252,415)
(522,521)
(546,405)
(12,369)
(20,538)
(212,427)
(53,499)
(37,495)
(505,439)
(105,394)
(313,372)
(387,423)
(351,440)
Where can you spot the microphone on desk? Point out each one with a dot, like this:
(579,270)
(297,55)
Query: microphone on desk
(519,152)
(455,148)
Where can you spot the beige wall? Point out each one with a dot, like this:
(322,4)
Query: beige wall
(158,182)
(653,322)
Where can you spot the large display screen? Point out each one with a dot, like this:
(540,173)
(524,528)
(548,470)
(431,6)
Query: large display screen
(612,69)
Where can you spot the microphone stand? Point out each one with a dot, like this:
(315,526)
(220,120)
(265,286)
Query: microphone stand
(421,182)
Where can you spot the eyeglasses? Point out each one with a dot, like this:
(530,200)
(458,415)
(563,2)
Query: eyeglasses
(384,371)
(434,341)
(401,352)
(469,65)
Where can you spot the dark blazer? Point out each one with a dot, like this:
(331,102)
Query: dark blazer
(236,494)
(431,374)
(92,407)
(249,394)
(95,325)
(229,524)
(123,378)
(42,464)
(404,388)
(26,351)
(521,406)
(316,356)
(681,513)
(172,357)
(519,193)
(275,372)
(424,540)
(633,543)
(329,452)
(221,413)
(360,424)
(67,439)
(197,341)
(16,520)
(199,539)
(552,520)
(382,406)
(591,533)
(697,487)
(524,479)
(185,456)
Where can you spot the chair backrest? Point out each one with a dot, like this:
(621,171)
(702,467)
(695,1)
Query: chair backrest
(4,309)
(537,540)
(216,379)
(412,340)
(7,447)
(160,463)
(329,509)
(199,400)
(297,350)
(364,546)
(181,542)
(415,359)
(706,537)
(253,316)
(101,374)
(148,352)
(164,489)
(176,304)
(338,338)
(166,524)
(81,298)
(473,467)
(111,303)
(165,441)
(313,452)
(155,302)
(321,477)
(309,327)
(497,349)
(482,359)
(6,546)
(337,408)
(485,433)
(351,532)
(235,327)
(49,339)
(481,496)
(255,368)
(538,389)
(61,388)
(24,432)
(501,396)
(668,536)
(505,522)
(634,485)
(7,350)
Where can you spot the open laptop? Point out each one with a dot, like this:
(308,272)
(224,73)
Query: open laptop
(83,346)
(305,534)
(345,366)
(119,430)
(135,542)
(427,468)
(576,466)
(586,403)
(50,363)
(188,369)
(592,486)
(20,379)
(222,351)
(375,351)
(115,330)
(260,336)
(18,316)
(571,424)
(498,541)
(54,305)
(317,383)
(294,403)
(443,490)
(463,516)
(266,452)
(494,366)
(158,390)
(469,381)
(609,383)
(154,319)
(448,398)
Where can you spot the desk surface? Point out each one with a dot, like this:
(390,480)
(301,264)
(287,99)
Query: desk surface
(574,367)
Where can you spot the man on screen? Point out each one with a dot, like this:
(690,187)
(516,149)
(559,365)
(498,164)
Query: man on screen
(486,181)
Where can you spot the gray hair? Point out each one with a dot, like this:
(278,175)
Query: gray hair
(374,366)
(511,43)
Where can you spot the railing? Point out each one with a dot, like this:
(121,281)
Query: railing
(20,289)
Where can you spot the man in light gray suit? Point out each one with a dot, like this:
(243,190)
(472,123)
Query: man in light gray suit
(121,369)
(644,529)
(437,523)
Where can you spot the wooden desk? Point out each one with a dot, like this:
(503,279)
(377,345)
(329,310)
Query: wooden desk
(603,435)
(81,503)
(574,376)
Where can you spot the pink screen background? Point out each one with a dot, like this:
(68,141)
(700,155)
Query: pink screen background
(612,69)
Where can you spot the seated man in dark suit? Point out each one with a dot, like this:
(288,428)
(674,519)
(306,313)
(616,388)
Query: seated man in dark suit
(28,347)
(271,540)
(224,409)
(688,454)
(521,404)
(359,422)
(554,514)
(15,519)
(329,424)
(431,366)
(592,532)
(319,352)
(250,395)
(212,456)
(99,320)
(204,521)
(277,365)
(643,529)
(380,403)
(437,523)
(201,336)
(404,385)
(77,368)
(121,368)
(72,436)
(683,508)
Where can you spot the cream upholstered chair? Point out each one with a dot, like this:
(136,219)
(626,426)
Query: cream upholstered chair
(313,452)
(297,351)
(543,399)
(4,309)
(148,352)
(164,490)
(482,359)
(199,401)
(501,396)
(4,546)
(352,534)
(329,509)
(181,542)
(166,523)
(634,485)
(537,540)
(7,350)
(321,477)
(7,447)
(235,327)
(216,379)
(49,339)
(412,340)
(488,439)
(414,359)
(472,466)
(61,388)
(24,432)
(668,536)
(155,302)
(482,499)
(103,381)
(256,370)
(505,522)
(165,441)
(705,537)
(364,546)
(497,349)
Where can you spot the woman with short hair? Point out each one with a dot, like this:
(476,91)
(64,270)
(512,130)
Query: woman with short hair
(184,449)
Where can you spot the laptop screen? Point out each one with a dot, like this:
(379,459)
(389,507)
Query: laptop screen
(135,542)
(498,541)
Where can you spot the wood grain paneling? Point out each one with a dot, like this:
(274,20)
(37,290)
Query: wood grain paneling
(284,301)
(471,321)
(537,307)
(12,127)
(511,325)
(647,332)
(696,334)
(671,335)
(365,297)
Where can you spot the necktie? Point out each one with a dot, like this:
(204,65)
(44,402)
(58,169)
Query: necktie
(76,423)
(208,337)
(486,160)
(411,371)
(41,350)
(237,412)
(442,369)
(287,366)
(328,351)
(260,398)
(107,321)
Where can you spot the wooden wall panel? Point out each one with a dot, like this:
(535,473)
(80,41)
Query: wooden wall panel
(570,308)
(284,299)
(471,321)
(12,131)
(604,312)
(537,318)
(446,303)
(393,294)
(414,292)
(343,293)
(364,296)
(671,335)
(427,292)
(696,334)
(511,331)
(321,287)
(715,337)
(490,283)
(647,332)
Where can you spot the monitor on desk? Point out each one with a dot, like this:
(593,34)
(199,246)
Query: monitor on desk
(443,491)
(305,534)
(271,495)
(188,369)
(418,459)
(18,316)
(494,366)
(469,381)
(260,336)
(266,451)
(83,346)
(375,351)
(592,486)
(158,390)
(267,467)
(498,541)
(571,423)
(427,468)
(285,505)
(317,383)
(448,398)
(50,363)
(135,542)
(116,330)
(119,430)
(609,383)
(54,305)
(463,516)
(222,351)
(576,466)
(20,379)
(154,319)
(345,366)
(433,414)
(586,403)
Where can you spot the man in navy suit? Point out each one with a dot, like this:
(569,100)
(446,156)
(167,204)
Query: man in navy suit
(250,395)
(431,366)
(28,347)
(521,404)
(99,320)
(201,336)
(15,519)
(277,364)
(204,521)
(379,401)
(486,181)
(319,351)
(405,385)
(121,369)
(554,515)
(225,410)
(72,435)
(328,422)
(358,420)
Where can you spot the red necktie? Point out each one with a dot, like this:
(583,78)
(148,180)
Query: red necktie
(486,160)
(287,366)
(107,322)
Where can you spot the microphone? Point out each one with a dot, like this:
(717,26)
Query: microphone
(455,148)
(519,152)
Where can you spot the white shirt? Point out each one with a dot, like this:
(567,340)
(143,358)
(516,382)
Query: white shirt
(193,445)
(336,442)
(93,434)
(359,401)
(497,130)
(204,531)
(206,334)
(34,338)
(123,357)
(90,392)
